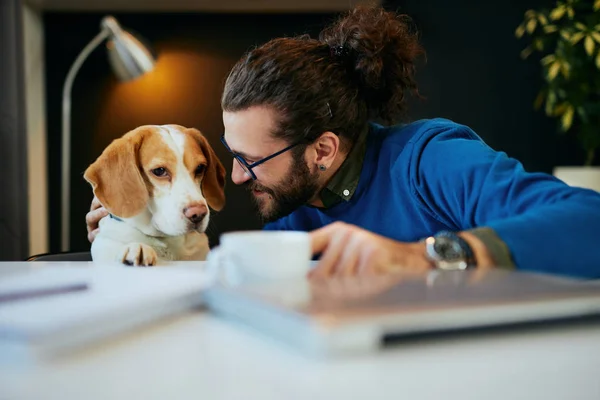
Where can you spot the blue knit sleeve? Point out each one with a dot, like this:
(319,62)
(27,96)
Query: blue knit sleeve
(547,225)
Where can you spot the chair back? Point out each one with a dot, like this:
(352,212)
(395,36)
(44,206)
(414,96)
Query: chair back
(69,256)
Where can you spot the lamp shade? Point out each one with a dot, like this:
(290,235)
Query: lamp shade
(128,56)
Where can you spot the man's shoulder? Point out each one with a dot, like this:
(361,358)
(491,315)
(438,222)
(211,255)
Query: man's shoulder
(406,144)
(426,128)
(406,139)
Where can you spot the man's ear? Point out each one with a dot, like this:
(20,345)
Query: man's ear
(326,148)
(116,180)
(213,184)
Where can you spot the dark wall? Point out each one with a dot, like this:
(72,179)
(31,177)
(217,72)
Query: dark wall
(196,52)
(473,75)
(14,229)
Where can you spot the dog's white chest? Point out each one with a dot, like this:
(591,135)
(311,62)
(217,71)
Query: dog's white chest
(117,240)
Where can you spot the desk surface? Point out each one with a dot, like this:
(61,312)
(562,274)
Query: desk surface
(199,356)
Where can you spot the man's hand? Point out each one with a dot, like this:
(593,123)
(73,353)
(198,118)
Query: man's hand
(92,218)
(348,250)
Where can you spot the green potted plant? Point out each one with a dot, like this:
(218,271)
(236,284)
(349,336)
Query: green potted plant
(567,37)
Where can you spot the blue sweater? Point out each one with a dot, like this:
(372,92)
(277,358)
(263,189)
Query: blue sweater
(434,175)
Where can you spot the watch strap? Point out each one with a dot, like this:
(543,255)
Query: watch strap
(495,246)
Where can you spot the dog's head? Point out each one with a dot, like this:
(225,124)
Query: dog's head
(162,179)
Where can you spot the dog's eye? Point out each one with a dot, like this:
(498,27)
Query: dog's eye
(159,171)
(200,169)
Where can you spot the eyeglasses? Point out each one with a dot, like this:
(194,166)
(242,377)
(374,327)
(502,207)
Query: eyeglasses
(248,167)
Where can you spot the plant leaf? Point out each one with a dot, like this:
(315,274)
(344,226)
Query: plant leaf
(598,60)
(589,45)
(577,37)
(548,59)
(550,28)
(579,111)
(548,108)
(538,44)
(539,100)
(553,70)
(596,5)
(582,115)
(559,109)
(596,36)
(567,118)
(571,12)
(565,69)
(550,101)
(531,25)
(526,52)
(520,31)
(542,18)
(581,26)
(558,13)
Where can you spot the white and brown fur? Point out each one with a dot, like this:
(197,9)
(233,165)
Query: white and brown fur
(159,217)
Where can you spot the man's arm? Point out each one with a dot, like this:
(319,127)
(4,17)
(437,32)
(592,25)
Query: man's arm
(347,250)
(546,225)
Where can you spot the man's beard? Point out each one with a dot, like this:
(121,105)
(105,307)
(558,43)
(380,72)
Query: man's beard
(296,189)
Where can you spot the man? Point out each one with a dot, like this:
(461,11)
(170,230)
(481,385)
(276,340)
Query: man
(297,114)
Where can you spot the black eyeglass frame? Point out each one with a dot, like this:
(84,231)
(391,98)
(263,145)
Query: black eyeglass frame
(248,167)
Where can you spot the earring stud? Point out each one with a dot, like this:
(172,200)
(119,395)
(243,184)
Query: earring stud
(322,167)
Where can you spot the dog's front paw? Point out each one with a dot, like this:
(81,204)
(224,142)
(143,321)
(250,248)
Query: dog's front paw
(139,255)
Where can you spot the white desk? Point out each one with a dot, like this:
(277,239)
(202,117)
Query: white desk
(201,357)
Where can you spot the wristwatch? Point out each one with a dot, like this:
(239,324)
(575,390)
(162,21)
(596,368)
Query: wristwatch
(448,251)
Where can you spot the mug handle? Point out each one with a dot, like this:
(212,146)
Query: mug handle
(213,262)
(220,269)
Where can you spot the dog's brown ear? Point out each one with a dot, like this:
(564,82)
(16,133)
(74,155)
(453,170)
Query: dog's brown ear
(213,184)
(116,179)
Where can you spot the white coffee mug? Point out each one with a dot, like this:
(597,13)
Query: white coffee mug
(259,256)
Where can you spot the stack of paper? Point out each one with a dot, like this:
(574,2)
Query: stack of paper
(77,303)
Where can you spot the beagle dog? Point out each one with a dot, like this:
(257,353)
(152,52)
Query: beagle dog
(157,183)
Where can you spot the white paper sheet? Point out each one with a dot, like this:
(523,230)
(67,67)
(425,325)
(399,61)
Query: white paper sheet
(118,298)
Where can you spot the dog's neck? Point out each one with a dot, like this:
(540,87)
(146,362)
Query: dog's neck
(143,223)
(115,218)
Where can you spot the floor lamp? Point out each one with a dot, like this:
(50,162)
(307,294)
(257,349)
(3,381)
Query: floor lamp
(129,59)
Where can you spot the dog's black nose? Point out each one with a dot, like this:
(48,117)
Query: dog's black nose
(195,213)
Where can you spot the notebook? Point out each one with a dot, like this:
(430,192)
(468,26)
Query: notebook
(79,303)
(350,316)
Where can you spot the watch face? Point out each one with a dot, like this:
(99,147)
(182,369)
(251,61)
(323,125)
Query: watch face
(448,249)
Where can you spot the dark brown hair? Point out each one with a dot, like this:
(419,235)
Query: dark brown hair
(359,69)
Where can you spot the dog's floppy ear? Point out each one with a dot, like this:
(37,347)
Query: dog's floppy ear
(116,179)
(213,184)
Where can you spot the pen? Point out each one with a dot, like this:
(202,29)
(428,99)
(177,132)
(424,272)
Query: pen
(35,293)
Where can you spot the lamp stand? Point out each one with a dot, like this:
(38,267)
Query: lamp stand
(66,137)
